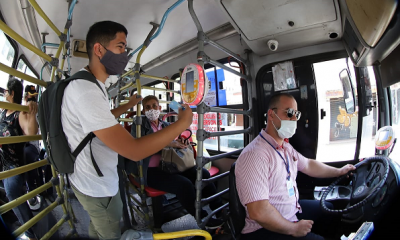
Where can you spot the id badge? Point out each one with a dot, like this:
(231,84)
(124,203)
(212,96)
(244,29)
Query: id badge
(290,188)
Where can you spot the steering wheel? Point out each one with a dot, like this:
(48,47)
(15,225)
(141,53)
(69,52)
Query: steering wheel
(364,184)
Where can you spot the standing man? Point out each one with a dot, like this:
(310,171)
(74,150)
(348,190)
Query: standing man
(266,174)
(85,109)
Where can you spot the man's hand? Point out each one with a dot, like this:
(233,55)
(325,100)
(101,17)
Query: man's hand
(133,101)
(185,116)
(176,144)
(345,169)
(302,227)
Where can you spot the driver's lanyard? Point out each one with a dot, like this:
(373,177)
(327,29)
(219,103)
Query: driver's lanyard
(285,162)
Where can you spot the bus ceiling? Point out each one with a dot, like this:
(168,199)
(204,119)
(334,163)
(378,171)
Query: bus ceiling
(365,27)
(274,27)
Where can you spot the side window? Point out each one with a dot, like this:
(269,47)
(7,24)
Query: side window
(225,91)
(161,95)
(337,131)
(23,67)
(177,86)
(7,55)
(395,98)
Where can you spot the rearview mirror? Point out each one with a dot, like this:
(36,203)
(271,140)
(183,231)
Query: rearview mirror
(348,91)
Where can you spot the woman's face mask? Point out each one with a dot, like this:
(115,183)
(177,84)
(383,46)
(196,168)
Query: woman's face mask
(114,63)
(287,129)
(152,114)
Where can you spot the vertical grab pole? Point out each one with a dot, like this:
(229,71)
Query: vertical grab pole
(200,112)
(139,121)
(59,194)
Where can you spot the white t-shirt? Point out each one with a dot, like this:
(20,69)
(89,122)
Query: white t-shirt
(85,109)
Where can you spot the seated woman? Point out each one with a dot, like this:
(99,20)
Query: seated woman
(180,184)
(12,155)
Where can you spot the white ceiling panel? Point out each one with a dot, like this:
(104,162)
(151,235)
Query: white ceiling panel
(135,15)
(272,17)
(293,23)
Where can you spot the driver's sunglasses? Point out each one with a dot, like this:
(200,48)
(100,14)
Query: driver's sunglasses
(291,112)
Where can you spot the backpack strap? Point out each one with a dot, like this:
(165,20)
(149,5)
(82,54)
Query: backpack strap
(88,139)
(85,75)
(80,147)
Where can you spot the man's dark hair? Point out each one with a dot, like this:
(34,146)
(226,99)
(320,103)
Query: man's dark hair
(273,102)
(148,98)
(102,32)
(15,85)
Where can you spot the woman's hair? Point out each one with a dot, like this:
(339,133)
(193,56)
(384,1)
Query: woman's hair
(15,85)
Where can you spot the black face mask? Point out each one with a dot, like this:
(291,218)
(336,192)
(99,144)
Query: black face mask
(114,63)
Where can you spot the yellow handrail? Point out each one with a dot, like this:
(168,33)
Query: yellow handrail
(156,89)
(23,169)
(58,190)
(57,56)
(44,16)
(16,202)
(7,30)
(125,119)
(21,75)
(181,234)
(36,218)
(13,106)
(55,228)
(126,86)
(159,78)
(20,139)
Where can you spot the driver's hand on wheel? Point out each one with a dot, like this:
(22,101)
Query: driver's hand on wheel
(345,169)
(302,228)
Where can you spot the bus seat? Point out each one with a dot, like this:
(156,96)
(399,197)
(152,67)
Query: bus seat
(151,192)
(157,202)
(213,171)
(237,211)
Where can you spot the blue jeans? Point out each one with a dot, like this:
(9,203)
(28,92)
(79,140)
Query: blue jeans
(14,189)
(35,176)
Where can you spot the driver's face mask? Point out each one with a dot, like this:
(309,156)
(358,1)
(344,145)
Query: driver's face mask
(114,63)
(287,129)
(152,114)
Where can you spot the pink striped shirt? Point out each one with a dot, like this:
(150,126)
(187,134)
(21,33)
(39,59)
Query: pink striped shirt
(261,175)
(155,159)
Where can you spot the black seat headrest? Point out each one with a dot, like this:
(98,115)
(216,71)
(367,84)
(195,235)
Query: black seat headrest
(237,211)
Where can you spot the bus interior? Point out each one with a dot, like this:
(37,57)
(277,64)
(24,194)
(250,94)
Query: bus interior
(338,58)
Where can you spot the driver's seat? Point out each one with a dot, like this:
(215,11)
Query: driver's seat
(237,212)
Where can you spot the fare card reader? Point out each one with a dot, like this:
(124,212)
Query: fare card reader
(384,138)
(194,84)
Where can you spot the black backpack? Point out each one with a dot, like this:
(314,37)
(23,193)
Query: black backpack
(11,155)
(56,144)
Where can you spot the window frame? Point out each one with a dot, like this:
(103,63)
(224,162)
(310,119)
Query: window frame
(28,65)
(259,110)
(13,43)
